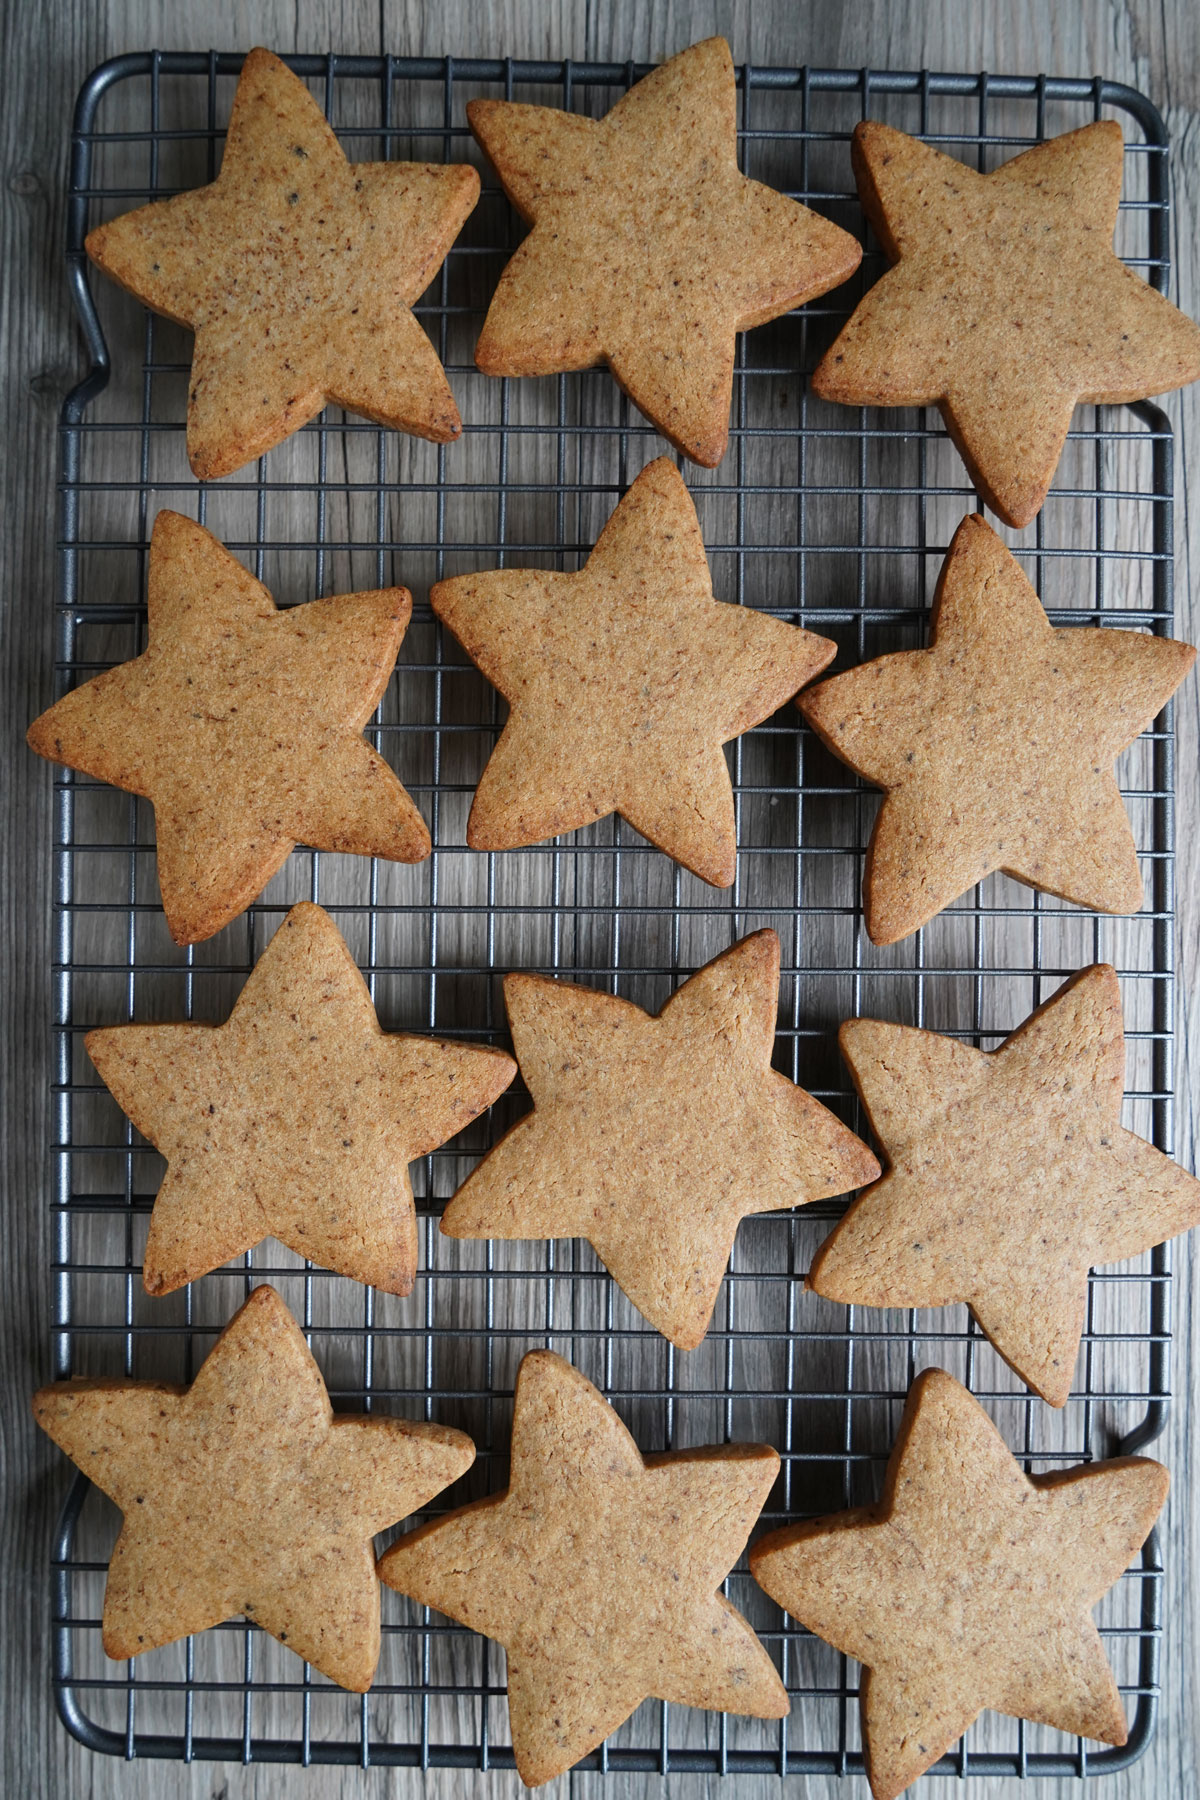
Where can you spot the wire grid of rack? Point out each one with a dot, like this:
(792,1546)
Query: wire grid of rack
(833,518)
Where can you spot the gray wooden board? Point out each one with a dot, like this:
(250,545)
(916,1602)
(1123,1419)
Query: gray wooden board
(1156,51)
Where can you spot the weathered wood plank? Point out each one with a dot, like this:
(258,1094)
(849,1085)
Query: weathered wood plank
(1147,46)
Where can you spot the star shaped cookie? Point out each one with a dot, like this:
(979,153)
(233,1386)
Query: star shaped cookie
(1006,305)
(995,746)
(600,1572)
(650,250)
(296,1119)
(243,1494)
(243,726)
(654,1137)
(297,271)
(624,680)
(1009,1176)
(969,1585)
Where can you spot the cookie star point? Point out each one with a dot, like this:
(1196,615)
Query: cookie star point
(1009,1175)
(297,271)
(1005,305)
(919,1587)
(243,1493)
(638,250)
(994,745)
(599,1571)
(242,724)
(296,1119)
(623,682)
(654,1137)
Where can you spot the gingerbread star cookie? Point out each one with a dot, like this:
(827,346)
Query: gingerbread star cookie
(654,1137)
(297,271)
(296,1119)
(624,681)
(1009,1176)
(969,1585)
(243,1494)
(600,1572)
(650,250)
(1006,305)
(243,725)
(995,746)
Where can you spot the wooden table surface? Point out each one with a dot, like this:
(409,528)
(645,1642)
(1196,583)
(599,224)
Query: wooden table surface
(1153,46)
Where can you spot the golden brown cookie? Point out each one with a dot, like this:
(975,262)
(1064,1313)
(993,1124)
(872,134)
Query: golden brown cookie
(297,271)
(654,1137)
(243,1494)
(1006,305)
(623,682)
(969,1585)
(600,1572)
(297,1119)
(1009,1175)
(243,726)
(650,250)
(995,745)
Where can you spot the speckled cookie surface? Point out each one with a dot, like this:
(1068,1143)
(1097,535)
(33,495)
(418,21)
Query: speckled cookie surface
(654,1137)
(995,746)
(1006,305)
(623,681)
(649,250)
(243,725)
(969,1585)
(297,272)
(297,1119)
(243,1494)
(600,1572)
(1009,1175)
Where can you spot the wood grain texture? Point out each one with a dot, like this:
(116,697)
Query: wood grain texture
(1152,46)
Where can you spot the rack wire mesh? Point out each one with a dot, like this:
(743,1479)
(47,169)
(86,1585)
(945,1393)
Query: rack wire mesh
(829,517)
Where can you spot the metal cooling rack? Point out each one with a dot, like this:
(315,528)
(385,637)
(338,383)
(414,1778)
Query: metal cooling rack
(827,516)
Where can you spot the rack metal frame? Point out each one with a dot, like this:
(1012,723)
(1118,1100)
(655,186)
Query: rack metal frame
(86,1203)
